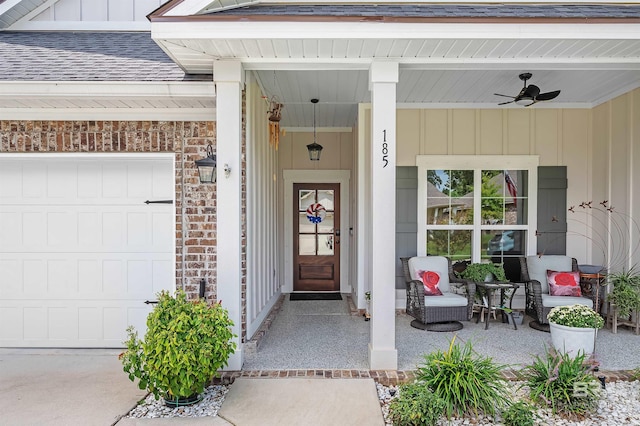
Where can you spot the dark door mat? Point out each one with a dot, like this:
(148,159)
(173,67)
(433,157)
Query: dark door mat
(315,296)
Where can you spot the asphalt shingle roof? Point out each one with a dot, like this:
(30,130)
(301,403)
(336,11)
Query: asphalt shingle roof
(86,56)
(440,11)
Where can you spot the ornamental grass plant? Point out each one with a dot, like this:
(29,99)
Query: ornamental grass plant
(563,383)
(580,316)
(467,382)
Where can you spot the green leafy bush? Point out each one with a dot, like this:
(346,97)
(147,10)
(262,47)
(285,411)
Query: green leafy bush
(519,414)
(563,383)
(626,291)
(415,405)
(467,383)
(478,272)
(185,345)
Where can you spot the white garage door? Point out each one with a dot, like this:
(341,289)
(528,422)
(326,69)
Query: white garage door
(80,251)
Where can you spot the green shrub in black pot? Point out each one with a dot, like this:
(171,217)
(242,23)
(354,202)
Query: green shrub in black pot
(483,272)
(186,343)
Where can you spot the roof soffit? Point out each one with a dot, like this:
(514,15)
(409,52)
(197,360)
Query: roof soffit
(11,11)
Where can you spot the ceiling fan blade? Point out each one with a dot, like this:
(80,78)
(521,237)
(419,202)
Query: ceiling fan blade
(508,102)
(506,96)
(532,91)
(547,96)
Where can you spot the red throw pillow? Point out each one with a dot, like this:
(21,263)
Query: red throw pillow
(564,283)
(430,280)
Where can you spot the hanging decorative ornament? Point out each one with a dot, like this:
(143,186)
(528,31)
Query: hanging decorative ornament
(275,114)
(316,213)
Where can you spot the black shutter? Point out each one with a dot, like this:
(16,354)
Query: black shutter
(552,210)
(406,217)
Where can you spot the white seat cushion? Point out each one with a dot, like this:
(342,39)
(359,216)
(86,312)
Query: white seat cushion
(538,266)
(437,264)
(447,299)
(553,301)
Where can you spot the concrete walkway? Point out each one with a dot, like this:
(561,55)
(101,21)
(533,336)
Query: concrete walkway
(309,402)
(64,387)
(88,387)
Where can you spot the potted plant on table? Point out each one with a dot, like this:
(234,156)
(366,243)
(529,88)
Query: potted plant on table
(484,272)
(185,345)
(574,328)
(625,298)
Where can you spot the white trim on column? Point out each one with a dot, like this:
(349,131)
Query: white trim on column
(229,78)
(363,200)
(383,79)
(317,176)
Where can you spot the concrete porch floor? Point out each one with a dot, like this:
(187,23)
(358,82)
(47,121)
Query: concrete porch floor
(307,335)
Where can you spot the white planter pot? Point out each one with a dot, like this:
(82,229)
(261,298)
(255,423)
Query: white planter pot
(573,339)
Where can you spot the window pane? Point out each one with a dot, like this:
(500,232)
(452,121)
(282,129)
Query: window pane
(449,197)
(305,225)
(327,223)
(516,197)
(306,198)
(504,198)
(499,244)
(325,197)
(325,244)
(454,244)
(307,245)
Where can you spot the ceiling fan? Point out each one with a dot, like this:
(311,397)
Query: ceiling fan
(530,94)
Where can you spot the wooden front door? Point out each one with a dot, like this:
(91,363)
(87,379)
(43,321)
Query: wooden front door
(316,237)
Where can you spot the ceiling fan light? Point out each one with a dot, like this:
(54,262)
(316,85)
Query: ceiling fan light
(524,101)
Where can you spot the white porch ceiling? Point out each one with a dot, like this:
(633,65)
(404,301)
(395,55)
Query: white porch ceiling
(435,72)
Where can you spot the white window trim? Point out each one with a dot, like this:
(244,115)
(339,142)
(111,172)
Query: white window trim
(475,162)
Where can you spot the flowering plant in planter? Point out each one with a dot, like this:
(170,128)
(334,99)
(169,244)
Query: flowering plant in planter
(579,316)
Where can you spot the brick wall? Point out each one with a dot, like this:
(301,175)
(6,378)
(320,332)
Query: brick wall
(199,224)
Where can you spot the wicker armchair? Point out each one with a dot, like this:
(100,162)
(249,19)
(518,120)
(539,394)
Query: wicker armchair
(436,313)
(538,300)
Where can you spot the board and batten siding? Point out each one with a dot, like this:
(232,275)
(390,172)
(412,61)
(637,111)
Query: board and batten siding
(263,282)
(558,136)
(98,10)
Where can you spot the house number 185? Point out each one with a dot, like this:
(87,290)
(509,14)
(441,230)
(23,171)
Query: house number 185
(385,149)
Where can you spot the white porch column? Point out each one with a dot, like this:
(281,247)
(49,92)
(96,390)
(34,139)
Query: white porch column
(228,77)
(383,77)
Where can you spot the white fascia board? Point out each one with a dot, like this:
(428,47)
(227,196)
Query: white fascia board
(119,89)
(389,30)
(81,26)
(124,114)
(430,64)
(189,7)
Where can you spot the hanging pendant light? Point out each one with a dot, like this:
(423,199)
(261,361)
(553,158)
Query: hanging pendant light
(314,148)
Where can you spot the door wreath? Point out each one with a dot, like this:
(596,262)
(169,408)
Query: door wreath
(316,213)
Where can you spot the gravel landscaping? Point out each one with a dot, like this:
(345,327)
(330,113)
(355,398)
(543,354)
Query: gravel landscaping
(620,405)
(152,408)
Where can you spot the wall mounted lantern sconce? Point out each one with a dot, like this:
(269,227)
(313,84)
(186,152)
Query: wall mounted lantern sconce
(227,171)
(207,167)
(315,149)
